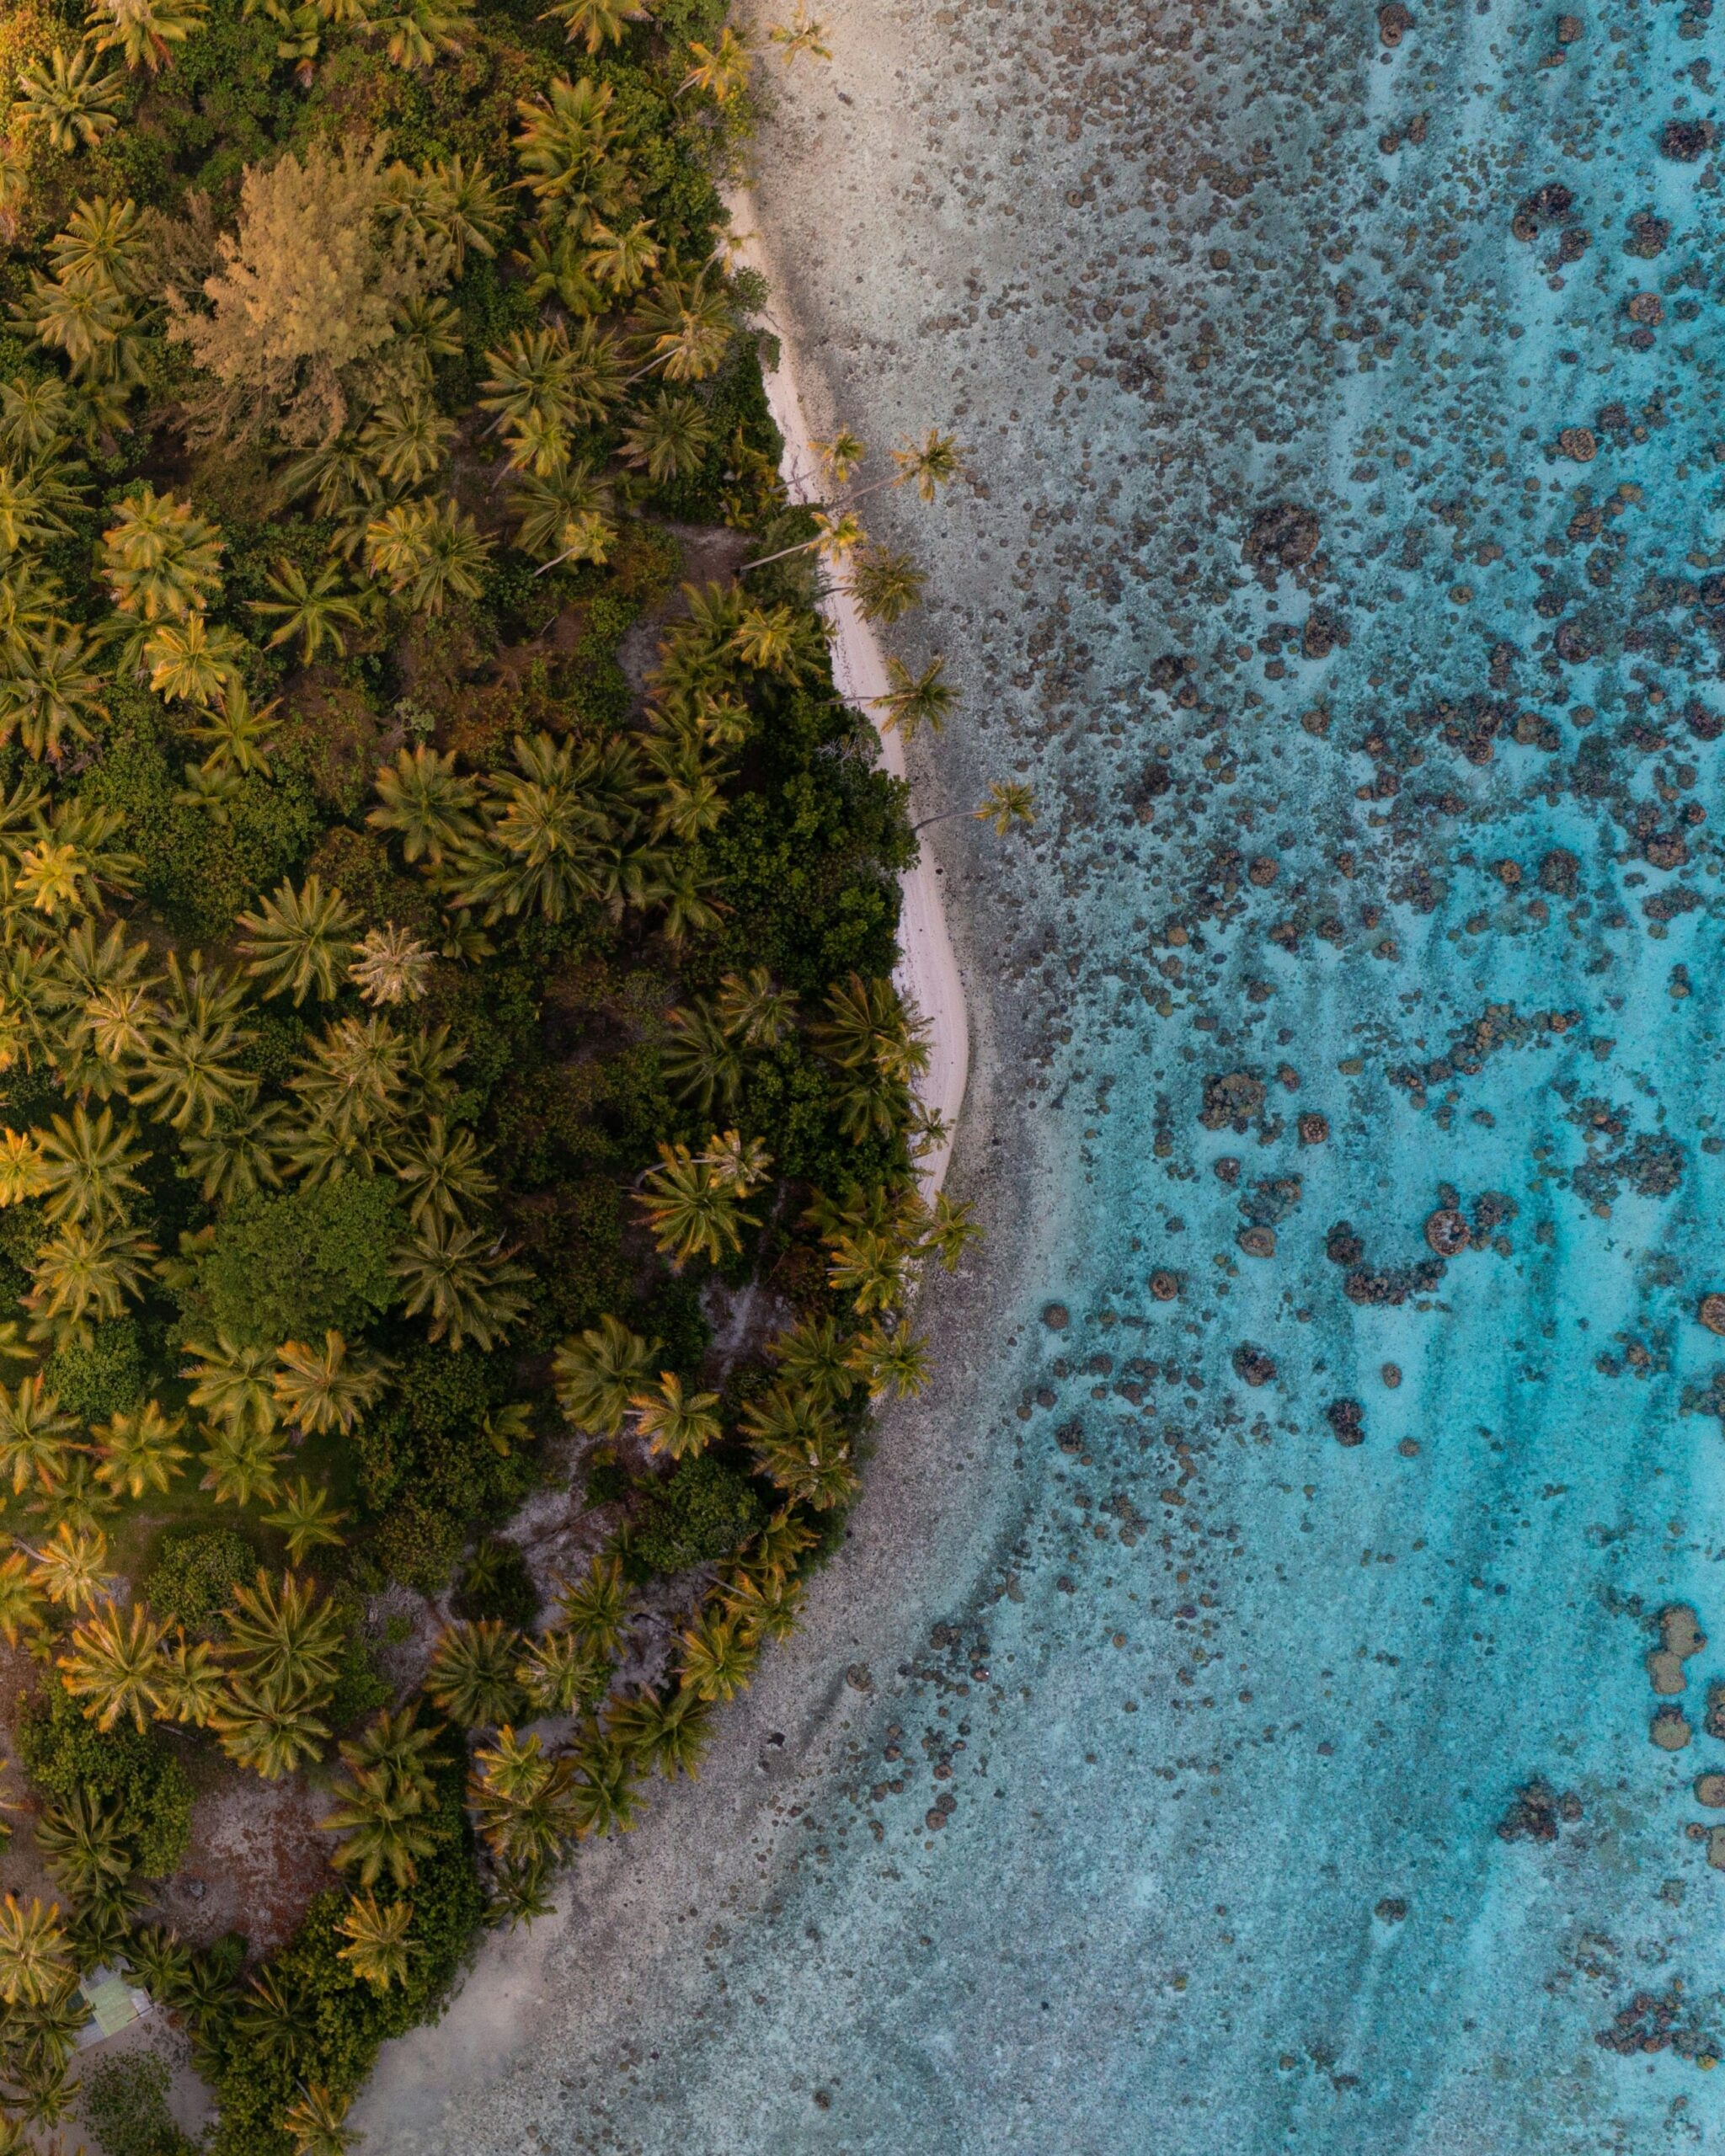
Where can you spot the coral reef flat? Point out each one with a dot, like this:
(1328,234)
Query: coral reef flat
(1229,1725)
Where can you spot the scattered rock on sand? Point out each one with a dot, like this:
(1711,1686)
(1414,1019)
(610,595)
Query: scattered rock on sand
(1709,1790)
(1669,1729)
(1712,1312)
(1252,1366)
(1537,1812)
(1447,1231)
(1282,536)
(1716,1848)
(1347,1418)
(1680,1633)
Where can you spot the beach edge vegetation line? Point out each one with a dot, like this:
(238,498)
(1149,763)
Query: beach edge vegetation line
(448,957)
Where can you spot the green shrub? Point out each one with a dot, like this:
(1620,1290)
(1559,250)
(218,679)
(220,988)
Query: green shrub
(62,1752)
(103,1377)
(196,1570)
(125,2106)
(418,1544)
(698,1516)
(287,1267)
(495,1582)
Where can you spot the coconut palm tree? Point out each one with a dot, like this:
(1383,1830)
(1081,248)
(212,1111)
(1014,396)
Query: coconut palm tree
(811,1358)
(465,208)
(458,1276)
(352,1078)
(35,1962)
(52,692)
(161,561)
(421,799)
(113,1666)
(884,584)
(896,1362)
(521,1895)
(192,662)
(440,1170)
(520,1800)
(314,2121)
(241,1465)
(596,1373)
(692,1208)
(720,70)
(283,1638)
(273,1731)
(84,1166)
(595,1608)
(915,700)
(300,941)
(753,1011)
(544,846)
(562,514)
(143,31)
(699,1060)
(21,1612)
(35,1436)
(432,552)
(233,1383)
(869,1266)
(382,1819)
(314,609)
(82,1844)
(799,1446)
(83,1272)
(564,141)
(190,1070)
(396,1744)
(416,31)
(391,965)
(377,1940)
(669,1731)
(762,1604)
(85,322)
(305,1516)
(407,439)
(799,36)
(69,95)
(671,1420)
(717,1660)
(241,1153)
(327,1387)
(558,1669)
(471,1678)
(190,1684)
(603,1800)
(596,23)
(669,440)
(69,1568)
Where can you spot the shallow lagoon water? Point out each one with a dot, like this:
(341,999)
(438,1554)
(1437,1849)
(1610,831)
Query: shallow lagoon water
(1227,1711)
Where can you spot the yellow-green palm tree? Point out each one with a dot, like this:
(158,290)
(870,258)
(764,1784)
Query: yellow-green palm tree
(233,1383)
(72,97)
(36,1434)
(160,559)
(113,1665)
(327,1387)
(675,1421)
(86,1271)
(669,1731)
(142,31)
(36,1962)
(716,1658)
(595,1609)
(558,1669)
(314,2119)
(307,1518)
(314,609)
(242,1464)
(70,1568)
(136,1450)
(21,1600)
(300,941)
(194,661)
(596,23)
(471,1675)
(272,1730)
(190,1684)
(428,552)
(596,1373)
(692,1208)
(423,801)
(283,1638)
(460,1279)
(391,965)
(85,1166)
(377,1945)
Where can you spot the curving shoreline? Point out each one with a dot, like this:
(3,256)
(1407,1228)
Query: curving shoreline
(927,973)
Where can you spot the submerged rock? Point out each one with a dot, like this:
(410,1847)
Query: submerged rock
(1669,1729)
(1537,1813)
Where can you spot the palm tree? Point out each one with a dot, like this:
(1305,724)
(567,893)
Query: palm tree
(557,1669)
(352,1077)
(471,1678)
(545,844)
(189,1071)
(392,966)
(799,1446)
(870,1267)
(913,700)
(53,693)
(885,586)
(327,1387)
(440,1170)
(233,1383)
(160,560)
(35,1435)
(896,1362)
(377,1940)
(191,662)
(271,2021)
(751,1008)
(383,1820)
(238,736)
(241,1465)
(113,1667)
(84,321)
(418,30)
(669,440)
(300,939)
(20,1599)
(621,261)
(562,514)
(596,1374)
(432,552)
(313,609)
(283,1639)
(468,1285)
(274,1732)
(673,1421)
(687,328)
(799,36)
(666,1730)
(143,31)
(603,1801)
(465,206)
(240,1155)
(761,1604)
(396,1744)
(721,70)
(306,1518)
(190,1684)
(66,94)
(84,1164)
(700,1061)
(692,1209)
(35,1964)
(407,439)
(596,1609)
(565,139)
(81,1272)
(520,1895)
(421,799)
(521,1800)
(81,1843)
(812,1359)
(314,2121)
(596,23)
(69,1568)
(716,1659)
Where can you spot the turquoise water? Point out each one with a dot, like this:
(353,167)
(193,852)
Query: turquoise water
(1222,1721)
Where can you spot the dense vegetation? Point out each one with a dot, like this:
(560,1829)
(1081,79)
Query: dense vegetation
(447,972)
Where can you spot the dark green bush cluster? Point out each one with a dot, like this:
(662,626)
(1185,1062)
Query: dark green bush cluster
(63,1753)
(196,1571)
(701,1513)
